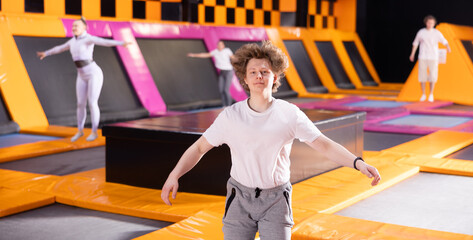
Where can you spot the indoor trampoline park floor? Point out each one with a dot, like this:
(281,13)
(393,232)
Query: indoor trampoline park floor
(426,195)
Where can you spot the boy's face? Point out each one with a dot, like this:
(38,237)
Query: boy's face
(430,24)
(259,76)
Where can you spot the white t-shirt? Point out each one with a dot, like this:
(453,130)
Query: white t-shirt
(429,43)
(260,143)
(222,58)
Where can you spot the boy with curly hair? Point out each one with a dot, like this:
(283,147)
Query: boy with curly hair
(260,131)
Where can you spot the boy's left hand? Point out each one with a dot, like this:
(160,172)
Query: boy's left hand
(369,171)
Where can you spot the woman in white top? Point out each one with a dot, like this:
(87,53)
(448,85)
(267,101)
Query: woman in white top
(222,57)
(428,38)
(89,75)
(259,132)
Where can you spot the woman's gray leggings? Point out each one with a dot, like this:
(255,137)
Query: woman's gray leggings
(224,81)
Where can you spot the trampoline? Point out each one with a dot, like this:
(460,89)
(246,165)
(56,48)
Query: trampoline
(445,204)
(60,163)
(464,154)
(184,83)
(359,64)
(13,139)
(376,104)
(468,45)
(428,121)
(334,65)
(60,221)
(6,124)
(304,66)
(54,80)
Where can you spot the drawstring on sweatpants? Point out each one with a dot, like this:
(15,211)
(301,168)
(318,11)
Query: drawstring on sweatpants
(258,191)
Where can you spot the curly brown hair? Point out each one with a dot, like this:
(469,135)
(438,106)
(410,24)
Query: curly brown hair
(266,50)
(429,17)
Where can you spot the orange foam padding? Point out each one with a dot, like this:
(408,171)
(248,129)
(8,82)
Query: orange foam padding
(340,188)
(17,90)
(203,225)
(36,149)
(426,163)
(95,174)
(128,200)
(35,25)
(326,226)
(438,144)
(16,201)
(51,130)
(455,78)
(30,150)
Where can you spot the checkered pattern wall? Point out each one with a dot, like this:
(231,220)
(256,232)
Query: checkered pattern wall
(321,14)
(240,12)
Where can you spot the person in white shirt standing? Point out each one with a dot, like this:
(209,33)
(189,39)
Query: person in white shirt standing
(428,38)
(259,132)
(222,57)
(89,75)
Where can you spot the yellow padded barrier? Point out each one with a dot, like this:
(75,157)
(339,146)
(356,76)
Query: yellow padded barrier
(16,201)
(30,150)
(426,163)
(455,78)
(95,174)
(36,149)
(134,201)
(203,225)
(18,92)
(438,144)
(340,188)
(35,25)
(17,180)
(326,226)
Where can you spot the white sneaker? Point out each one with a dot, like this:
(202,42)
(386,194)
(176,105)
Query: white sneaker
(422,98)
(77,136)
(431,98)
(92,137)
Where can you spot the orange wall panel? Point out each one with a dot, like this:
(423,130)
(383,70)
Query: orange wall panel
(153,10)
(91,9)
(54,7)
(287,5)
(345,11)
(124,9)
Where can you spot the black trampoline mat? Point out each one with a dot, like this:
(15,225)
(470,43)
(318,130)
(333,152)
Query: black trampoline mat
(333,64)
(184,83)
(304,66)
(458,107)
(359,64)
(377,141)
(60,163)
(464,154)
(468,45)
(60,221)
(54,80)
(7,126)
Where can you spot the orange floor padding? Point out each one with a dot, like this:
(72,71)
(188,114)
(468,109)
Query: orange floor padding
(36,149)
(337,189)
(326,226)
(438,144)
(15,201)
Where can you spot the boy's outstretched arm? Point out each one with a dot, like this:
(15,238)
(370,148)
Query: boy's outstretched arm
(188,160)
(341,155)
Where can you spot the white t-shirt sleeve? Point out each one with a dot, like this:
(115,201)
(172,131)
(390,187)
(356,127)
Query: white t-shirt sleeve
(442,38)
(229,52)
(305,131)
(213,52)
(215,133)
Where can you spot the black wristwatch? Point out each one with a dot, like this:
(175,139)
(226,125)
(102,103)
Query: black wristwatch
(354,162)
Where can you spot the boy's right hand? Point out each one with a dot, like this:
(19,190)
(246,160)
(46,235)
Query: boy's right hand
(171,184)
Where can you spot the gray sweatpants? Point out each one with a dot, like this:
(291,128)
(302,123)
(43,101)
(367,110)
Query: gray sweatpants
(248,210)
(224,81)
